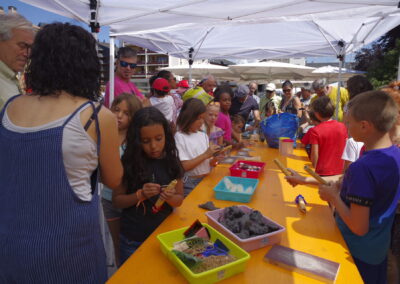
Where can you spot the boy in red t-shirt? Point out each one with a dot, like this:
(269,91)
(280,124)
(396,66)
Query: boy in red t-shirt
(327,139)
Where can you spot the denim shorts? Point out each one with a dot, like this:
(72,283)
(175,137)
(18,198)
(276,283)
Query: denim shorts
(127,247)
(189,184)
(111,213)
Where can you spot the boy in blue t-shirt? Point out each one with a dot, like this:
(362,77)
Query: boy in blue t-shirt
(366,204)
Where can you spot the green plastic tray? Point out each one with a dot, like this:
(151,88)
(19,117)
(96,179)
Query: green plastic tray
(168,239)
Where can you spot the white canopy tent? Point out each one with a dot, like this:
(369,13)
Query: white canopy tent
(196,29)
(132,16)
(331,73)
(271,70)
(199,71)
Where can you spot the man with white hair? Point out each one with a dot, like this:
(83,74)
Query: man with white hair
(202,91)
(321,88)
(208,84)
(16,38)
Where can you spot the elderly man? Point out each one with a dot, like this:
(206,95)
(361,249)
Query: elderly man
(208,84)
(16,38)
(125,68)
(202,90)
(243,104)
(321,88)
(253,86)
(269,96)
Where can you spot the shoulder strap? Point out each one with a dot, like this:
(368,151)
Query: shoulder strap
(94,117)
(96,110)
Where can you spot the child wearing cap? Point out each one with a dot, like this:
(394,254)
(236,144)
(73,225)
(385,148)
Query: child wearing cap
(161,100)
(182,87)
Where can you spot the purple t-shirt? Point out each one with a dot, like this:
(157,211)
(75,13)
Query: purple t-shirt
(372,181)
(120,87)
(224,122)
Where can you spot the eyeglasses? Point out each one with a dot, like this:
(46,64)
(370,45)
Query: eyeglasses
(287,90)
(24,46)
(126,64)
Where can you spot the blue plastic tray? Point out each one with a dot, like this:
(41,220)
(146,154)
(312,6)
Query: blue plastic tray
(222,193)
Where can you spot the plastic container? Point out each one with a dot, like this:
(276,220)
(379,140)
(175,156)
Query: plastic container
(223,193)
(237,172)
(211,276)
(250,243)
(286,147)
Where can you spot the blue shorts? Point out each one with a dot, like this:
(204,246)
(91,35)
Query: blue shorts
(189,184)
(372,274)
(111,213)
(127,248)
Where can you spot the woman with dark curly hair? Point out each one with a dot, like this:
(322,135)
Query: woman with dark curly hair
(50,153)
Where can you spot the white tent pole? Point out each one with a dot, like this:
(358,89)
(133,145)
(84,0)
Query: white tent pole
(341,57)
(338,88)
(112,52)
(190,75)
(190,65)
(398,71)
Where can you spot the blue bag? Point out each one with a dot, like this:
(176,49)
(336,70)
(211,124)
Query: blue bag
(280,125)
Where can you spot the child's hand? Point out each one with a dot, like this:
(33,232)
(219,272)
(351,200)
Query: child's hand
(151,189)
(167,194)
(295,179)
(212,150)
(329,192)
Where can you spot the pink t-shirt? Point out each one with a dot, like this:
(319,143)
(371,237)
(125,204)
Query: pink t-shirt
(224,122)
(120,87)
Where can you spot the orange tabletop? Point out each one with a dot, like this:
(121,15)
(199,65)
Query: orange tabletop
(314,233)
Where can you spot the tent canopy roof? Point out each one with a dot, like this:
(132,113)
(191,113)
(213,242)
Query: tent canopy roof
(236,29)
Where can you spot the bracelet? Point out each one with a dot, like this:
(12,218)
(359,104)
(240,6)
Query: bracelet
(140,196)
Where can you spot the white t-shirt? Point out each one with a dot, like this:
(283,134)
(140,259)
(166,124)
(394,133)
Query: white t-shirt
(352,150)
(191,146)
(165,104)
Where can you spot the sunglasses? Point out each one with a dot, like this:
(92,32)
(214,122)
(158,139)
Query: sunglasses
(126,64)
(213,103)
(287,90)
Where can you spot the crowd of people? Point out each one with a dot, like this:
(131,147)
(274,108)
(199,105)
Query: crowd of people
(66,159)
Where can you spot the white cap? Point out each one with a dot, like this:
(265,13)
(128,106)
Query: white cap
(271,87)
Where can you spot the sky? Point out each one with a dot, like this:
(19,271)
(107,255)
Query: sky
(36,16)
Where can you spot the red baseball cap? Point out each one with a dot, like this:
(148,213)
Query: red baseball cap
(161,84)
(183,84)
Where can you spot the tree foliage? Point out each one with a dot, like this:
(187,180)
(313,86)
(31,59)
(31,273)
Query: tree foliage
(381,59)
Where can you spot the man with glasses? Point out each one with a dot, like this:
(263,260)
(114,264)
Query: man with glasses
(124,69)
(269,96)
(16,38)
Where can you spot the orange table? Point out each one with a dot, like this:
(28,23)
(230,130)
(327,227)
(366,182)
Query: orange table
(314,233)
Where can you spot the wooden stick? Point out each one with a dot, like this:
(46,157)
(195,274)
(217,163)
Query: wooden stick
(226,148)
(319,179)
(282,167)
(315,175)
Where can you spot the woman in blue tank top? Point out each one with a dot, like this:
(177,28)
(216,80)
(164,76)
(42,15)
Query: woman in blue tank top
(48,232)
